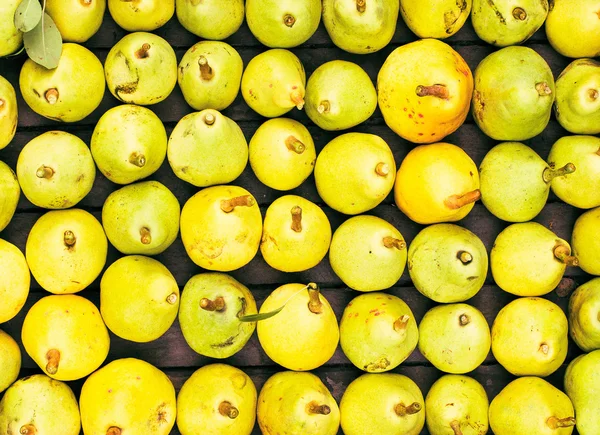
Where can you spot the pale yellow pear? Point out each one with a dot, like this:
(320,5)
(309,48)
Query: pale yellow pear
(9,114)
(10,361)
(14,280)
(586,246)
(573,28)
(11,192)
(210,19)
(582,385)
(584,315)
(141,15)
(10,37)
(434,18)
(77,20)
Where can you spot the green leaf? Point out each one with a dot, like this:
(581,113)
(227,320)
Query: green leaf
(262,316)
(44,43)
(28,15)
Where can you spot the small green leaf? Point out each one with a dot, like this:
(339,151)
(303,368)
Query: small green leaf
(44,43)
(262,316)
(28,15)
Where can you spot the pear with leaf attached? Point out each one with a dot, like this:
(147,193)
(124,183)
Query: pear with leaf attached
(77,20)
(9,114)
(141,15)
(210,19)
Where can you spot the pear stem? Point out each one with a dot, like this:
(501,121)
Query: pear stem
(297,98)
(51,96)
(206,72)
(382,169)
(563,253)
(69,238)
(86,2)
(598,152)
(44,172)
(543,89)
(137,159)
(315,305)
(549,174)
(314,408)
(142,52)
(294,145)
(455,426)
(455,202)
(217,305)
(544,348)
(289,20)
(296,219)
(556,423)
(593,94)
(401,323)
(361,5)
(28,429)
(113,430)
(324,107)
(228,205)
(172,299)
(403,410)
(438,91)
(519,14)
(209,119)
(464,320)
(464,257)
(53,358)
(226,409)
(391,242)
(145,236)
(2,103)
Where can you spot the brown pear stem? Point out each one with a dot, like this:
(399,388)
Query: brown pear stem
(549,174)
(455,202)
(51,96)
(563,253)
(86,2)
(392,242)
(438,91)
(314,408)
(53,358)
(519,14)
(401,323)
(228,205)
(217,305)
(403,410)
(142,52)
(315,305)
(69,238)
(296,219)
(145,236)
(544,348)
(324,107)
(464,320)
(593,94)
(297,98)
(209,119)
(137,159)
(113,430)
(382,169)
(226,409)
(289,20)
(172,299)
(598,152)
(206,72)
(557,423)
(455,426)
(543,89)
(464,257)
(44,172)
(2,103)
(294,145)
(28,429)
(361,5)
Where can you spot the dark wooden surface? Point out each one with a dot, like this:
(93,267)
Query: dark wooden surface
(170,352)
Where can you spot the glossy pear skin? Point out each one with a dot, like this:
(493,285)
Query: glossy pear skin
(586,245)
(573,28)
(14,280)
(435,19)
(210,19)
(77,20)
(584,315)
(9,115)
(11,192)
(141,15)
(582,385)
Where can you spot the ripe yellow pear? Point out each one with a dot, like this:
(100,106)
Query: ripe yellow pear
(210,19)
(585,243)
(10,361)
(582,385)
(14,280)
(584,315)
(141,15)
(10,37)
(9,114)
(77,20)
(573,28)
(434,18)
(11,192)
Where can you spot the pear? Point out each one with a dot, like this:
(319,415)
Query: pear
(65,336)
(39,405)
(514,93)
(368,253)
(360,26)
(584,315)
(455,338)
(429,99)
(14,280)
(221,227)
(217,399)
(210,74)
(436,183)
(141,69)
(129,143)
(582,385)
(128,396)
(68,93)
(210,19)
(77,20)
(207,148)
(306,335)
(282,153)
(447,263)
(531,405)
(139,298)
(508,22)
(355,172)
(577,189)
(141,218)
(215,302)
(56,170)
(378,332)
(11,192)
(296,234)
(456,404)
(292,403)
(283,23)
(273,83)
(10,361)
(513,170)
(386,403)
(10,37)
(340,95)
(434,18)
(585,242)
(573,28)
(528,259)
(66,250)
(9,114)
(141,15)
(530,337)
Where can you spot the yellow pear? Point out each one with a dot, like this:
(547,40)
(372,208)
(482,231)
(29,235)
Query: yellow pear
(210,19)
(584,315)
(10,37)
(9,114)
(10,361)
(586,244)
(141,15)
(582,385)
(77,20)
(14,280)
(434,18)
(573,28)
(11,192)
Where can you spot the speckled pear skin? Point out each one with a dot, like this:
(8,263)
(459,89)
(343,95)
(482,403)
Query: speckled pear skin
(435,18)
(582,385)
(210,19)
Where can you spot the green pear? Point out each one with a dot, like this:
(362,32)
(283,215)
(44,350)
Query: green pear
(215,302)
(584,315)
(455,338)
(65,336)
(582,385)
(573,28)
(447,263)
(210,74)
(282,153)
(11,192)
(508,22)
(283,23)
(368,253)
(139,298)
(9,114)
(378,332)
(355,172)
(11,39)
(210,19)
(586,244)
(513,170)
(306,310)
(530,337)
(77,20)
(513,95)
(40,405)
(456,404)
(141,15)
(384,403)
(129,143)
(66,250)
(14,280)
(531,405)
(528,259)
(217,399)
(141,69)
(577,105)
(221,228)
(68,93)
(10,361)
(292,403)
(128,396)
(360,26)
(434,18)
(340,95)
(296,234)
(56,170)
(579,188)
(207,148)
(141,218)
(274,82)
